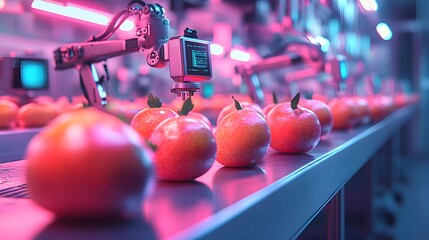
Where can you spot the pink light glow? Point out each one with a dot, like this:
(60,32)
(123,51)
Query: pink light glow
(324,2)
(2,4)
(79,13)
(369,5)
(240,55)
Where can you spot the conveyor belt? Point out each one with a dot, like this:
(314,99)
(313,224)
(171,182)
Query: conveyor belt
(20,191)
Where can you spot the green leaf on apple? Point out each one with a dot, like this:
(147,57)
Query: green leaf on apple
(153,101)
(186,107)
(295,101)
(237,104)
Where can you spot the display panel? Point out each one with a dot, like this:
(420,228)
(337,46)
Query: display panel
(31,74)
(197,58)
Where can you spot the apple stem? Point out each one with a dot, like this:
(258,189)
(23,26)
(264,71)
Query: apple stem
(237,104)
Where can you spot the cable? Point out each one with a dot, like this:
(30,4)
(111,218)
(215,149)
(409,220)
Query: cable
(110,28)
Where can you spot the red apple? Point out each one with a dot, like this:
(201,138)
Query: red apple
(8,113)
(146,120)
(344,112)
(36,115)
(322,111)
(293,129)
(242,138)
(185,147)
(231,108)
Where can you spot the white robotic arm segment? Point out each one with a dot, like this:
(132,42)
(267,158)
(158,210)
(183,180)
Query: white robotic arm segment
(189,58)
(76,54)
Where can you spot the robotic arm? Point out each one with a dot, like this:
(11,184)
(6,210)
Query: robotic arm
(188,57)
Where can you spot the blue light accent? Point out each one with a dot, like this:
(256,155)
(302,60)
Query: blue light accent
(384,31)
(343,70)
(352,43)
(208,90)
(34,74)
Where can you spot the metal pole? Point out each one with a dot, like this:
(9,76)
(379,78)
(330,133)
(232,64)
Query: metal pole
(336,217)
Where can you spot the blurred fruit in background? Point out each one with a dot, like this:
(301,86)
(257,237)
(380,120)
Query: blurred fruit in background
(362,107)
(270,106)
(8,113)
(344,112)
(13,99)
(34,115)
(322,111)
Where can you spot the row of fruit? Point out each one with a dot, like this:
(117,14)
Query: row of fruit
(41,110)
(110,165)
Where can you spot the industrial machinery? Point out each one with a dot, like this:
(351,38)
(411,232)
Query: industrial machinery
(249,72)
(188,57)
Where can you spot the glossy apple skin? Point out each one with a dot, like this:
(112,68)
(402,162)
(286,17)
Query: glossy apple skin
(201,117)
(242,138)
(293,131)
(322,111)
(363,110)
(146,120)
(268,108)
(245,105)
(185,148)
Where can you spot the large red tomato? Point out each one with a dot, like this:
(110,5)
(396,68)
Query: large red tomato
(89,164)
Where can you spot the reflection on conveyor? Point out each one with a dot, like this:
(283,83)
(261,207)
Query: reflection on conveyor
(174,206)
(233,184)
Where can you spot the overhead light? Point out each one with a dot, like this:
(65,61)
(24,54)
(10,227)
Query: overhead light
(2,4)
(369,5)
(312,39)
(79,13)
(216,49)
(384,31)
(322,41)
(239,55)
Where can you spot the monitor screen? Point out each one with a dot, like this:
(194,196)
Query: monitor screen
(197,58)
(31,74)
